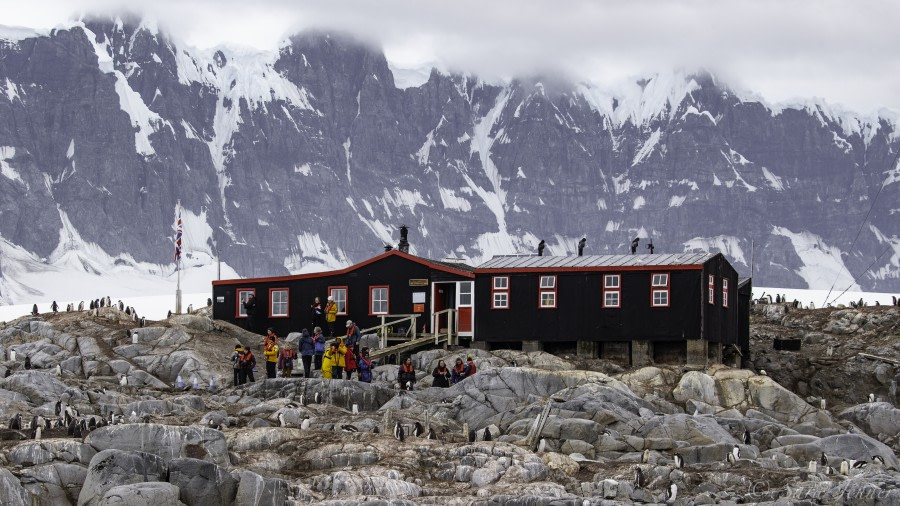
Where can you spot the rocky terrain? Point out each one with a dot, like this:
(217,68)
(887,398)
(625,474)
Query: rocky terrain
(548,429)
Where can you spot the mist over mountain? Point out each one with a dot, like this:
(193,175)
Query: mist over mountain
(311,157)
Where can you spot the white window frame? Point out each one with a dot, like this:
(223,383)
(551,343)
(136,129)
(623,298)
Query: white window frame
(272,303)
(610,288)
(373,301)
(711,291)
(242,311)
(505,283)
(664,294)
(332,290)
(466,289)
(724,292)
(660,284)
(618,301)
(505,300)
(550,283)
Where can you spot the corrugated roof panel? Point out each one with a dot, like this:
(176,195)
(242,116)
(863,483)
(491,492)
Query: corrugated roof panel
(570,261)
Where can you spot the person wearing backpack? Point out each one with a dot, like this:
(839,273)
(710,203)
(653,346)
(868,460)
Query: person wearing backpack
(248,364)
(286,360)
(365,366)
(319,347)
(350,362)
(307,351)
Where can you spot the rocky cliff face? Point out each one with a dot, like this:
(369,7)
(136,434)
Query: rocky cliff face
(311,157)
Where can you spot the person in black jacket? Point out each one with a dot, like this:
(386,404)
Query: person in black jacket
(441,375)
(406,376)
(250,309)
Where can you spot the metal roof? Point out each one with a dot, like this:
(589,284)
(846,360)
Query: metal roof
(588,261)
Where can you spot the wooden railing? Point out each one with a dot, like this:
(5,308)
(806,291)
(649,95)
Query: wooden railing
(452,330)
(385,327)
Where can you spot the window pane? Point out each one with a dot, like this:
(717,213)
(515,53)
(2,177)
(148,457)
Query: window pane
(548,281)
(501,283)
(279,303)
(501,300)
(380,300)
(243,295)
(465,293)
(660,297)
(660,279)
(340,298)
(612,299)
(611,281)
(548,299)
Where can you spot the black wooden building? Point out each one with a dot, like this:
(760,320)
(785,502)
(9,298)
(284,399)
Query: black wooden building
(393,283)
(664,308)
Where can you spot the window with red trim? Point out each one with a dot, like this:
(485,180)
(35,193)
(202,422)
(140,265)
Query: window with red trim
(278,303)
(659,289)
(724,292)
(339,293)
(379,300)
(547,292)
(500,292)
(242,295)
(711,293)
(612,290)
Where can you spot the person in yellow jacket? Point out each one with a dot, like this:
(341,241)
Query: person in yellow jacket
(331,311)
(270,351)
(337,367)
(328,361)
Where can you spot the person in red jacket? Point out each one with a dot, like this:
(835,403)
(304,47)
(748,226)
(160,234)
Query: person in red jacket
(470,367)
(349,362)
(286,360)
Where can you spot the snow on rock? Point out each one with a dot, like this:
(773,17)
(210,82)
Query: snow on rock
(729,245)
(7,153)
(303,169)
(11,90)
(676,200)
(647,148)
(314,255)
(823,265)
(640,102)
(774,181)
(451,201)
(638,202)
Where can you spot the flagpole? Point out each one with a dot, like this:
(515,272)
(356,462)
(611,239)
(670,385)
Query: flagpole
(177,266)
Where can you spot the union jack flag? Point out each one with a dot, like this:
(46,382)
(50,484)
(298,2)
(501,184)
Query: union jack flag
(178,231)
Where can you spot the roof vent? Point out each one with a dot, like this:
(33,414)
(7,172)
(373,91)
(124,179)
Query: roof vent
(388,247)
(581,244)
(403,245)
(541,248)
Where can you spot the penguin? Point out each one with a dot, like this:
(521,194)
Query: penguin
(77,430)
(376,430)
(762,372)
(128,310)
(143,322)
(318,398)
(349,428)
(822,404)
(146,419)
(108,301)
(305,423)
(672,492)
(736,451)
(169,315)
(472,435)
(91,306)
(645,457)
(858,464)
(829,470)
(81,306)
(208,302)
(134,417)
(487,434)
(431,434)
(15,423)
(823,459)
(638,477)
(58,370)
(102,303)
(542,445)
(830,350)
(871,396)
(92,423)
(878,459)
(845,468)
(54,307)
(121,306)
(679,461)
(70,428)
(418,430)
(57,409)
(812,466)
(281,420)
(123,381)
(398,432)
(34,310)
(408,386)
(27,362)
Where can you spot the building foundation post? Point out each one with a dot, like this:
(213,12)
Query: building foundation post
(530,346)
(641,353)
(587,349)
(697,352)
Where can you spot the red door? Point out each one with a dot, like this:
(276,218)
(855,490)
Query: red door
(465,319)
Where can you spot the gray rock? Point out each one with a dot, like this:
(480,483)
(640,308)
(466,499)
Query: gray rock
(202,483)
(254,489)
(142,494)
(12,492)
(111,468)
(874,417)
(53,484)
(32,453)
(168,442)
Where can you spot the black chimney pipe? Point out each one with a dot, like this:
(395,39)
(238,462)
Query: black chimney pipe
(388,247)
(541,248)
(581,244)
(403,245)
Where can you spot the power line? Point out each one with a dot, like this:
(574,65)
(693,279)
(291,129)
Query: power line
(861,273)
(861,225)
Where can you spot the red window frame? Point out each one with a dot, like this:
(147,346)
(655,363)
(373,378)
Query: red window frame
(711,291)
(495,290)
(287,301)
(346,300)
(542,291)
(387,291)
(617,290)
(237,304)
(661,288)
(724,292)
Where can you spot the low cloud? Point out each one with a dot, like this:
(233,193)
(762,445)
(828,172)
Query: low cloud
(843,51)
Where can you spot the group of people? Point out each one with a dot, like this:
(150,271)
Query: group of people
(444,377)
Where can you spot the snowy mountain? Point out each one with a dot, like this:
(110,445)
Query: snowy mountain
(311,157)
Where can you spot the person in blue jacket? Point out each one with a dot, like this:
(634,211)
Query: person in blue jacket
(307,351)
(364,364)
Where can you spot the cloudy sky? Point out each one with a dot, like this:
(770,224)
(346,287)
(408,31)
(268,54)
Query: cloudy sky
(847,52)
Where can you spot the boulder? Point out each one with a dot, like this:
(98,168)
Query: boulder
(56,483)
(694,430)
(111,468)
(37,386)
(874,418)
(168,442)
(202,483)
(142,494)
(561,463)
(844,446)
(32,453)
(254,489)
(12,492)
